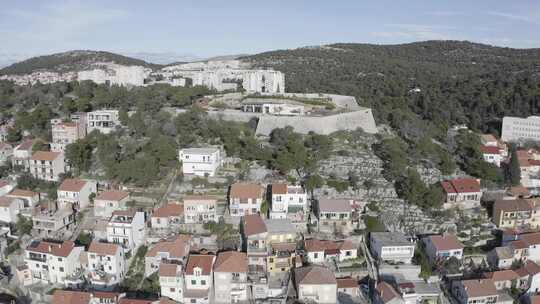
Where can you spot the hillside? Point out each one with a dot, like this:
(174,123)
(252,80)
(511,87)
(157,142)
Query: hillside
(458,82)
(70,61)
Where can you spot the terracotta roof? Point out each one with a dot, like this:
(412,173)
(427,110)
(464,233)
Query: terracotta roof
(72,185)
(518,244)
(519,191)
(134,301)
(511,205)
(488,138)
(489,150)
(5,201)
(314,275)
(479,288)
(168,270)
(200,198)
(530,268)
(177,249)
(461,185)
(4,145)
(254,224)
(244,191)
(288,247)
(105,294)
(164,300)
(25,145)
(346,283)
(231,261)
(530,238)
(386,292)
(534,299)
(171,209)
(23,193)
(334,205)
(501,275)
(112,195)
(58,249)
(202,261)
(70,297)
(446,242)
(316,245)
(3,183)
(45,155)
(103,248)
(279,188)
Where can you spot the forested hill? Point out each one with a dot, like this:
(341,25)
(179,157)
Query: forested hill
(459,82)
(69,61)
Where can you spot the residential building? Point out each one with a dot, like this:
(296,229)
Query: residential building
(168,216)
(280,231)
(53,263)
(198,278)
(516,213)
(107,202)
(335,215)
(492,155)
(22,154)
(462,192)
(171,281)
(106,264)
(315,283)
(47,165)
(200,209)
(53,222)
(529,164)
(348,286)
(282,257)
(71,297)
(391,247)
(441,247)
(516,129)
(263,81)
(173,251)
(76,192)
(200,161)
(386,294)
(29,198)
(254,234)
(230,277)
(245,199)
(501,257)
(529,277)
(5,187)
(6,151)
(475,291)
(10,208)
(289,201)
(127,228)
(65,133)
(321,251)
(503,279)
(105,121)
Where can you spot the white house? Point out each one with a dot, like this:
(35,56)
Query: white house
(230,277)
(6,151)
(22,154)
(105,121)
(65,133)
(463,192)
(52,263)
(107,202)
(168,216)
(321,251)
(475,291)
(198,278)
(440,247)
(50,221)
(391,246)
(520,129)
(334,215)
(171,281)
(127,228)
(9,209)
(529,275)
(168,251)
(47,165)
(200,161)
(200,209)
(315,283)
(106,264)
(29,198)
(492,155)
(289,201)
(245,198)
(76,192)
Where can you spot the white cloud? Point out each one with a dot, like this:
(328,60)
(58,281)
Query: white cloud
(415,32)
(515,17)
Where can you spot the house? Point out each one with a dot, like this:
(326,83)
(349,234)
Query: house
(106,265)
(171,281)
(282,257)
(29,198)
(280,231)
(321,251)
(198,278)
(65,133)
(52,263)
(503,279)
(492,155)
(335,215)
(6,151)
(71,297)
(440,247)
(22,154)
(501,257)
(47,165)
(127,228)
(104,121)
(475,291)
(108,201)
(168,216)
(173,251)
(199,209)
(462,192)
(517,213)
(230,277)
(254,235)
(289,201)
(51,221)
(200,161)
(76,192)
(529,164)
(386,294)
(529,277)
(245,199)
(315,283)
(391,247)
(5,187)
(348,286)
(10,208)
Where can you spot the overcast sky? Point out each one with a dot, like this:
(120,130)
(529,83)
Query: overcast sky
(206,28)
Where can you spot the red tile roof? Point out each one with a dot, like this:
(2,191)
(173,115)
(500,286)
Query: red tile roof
(112,195)
(168,270)
(253,224)
(316,245)
(446,242)
(479,288)
(57,249)
(171,209)
(347,282)
(231,261)
(202,261)
(177,248)
(530,238)
(244,191)
(70,297)
(386,292)
(25,145)
(23,193)
(45,155)
(279,188)
(314,275)
(72,185)
(489,150)
(103,248)
(501,275)
(462,185)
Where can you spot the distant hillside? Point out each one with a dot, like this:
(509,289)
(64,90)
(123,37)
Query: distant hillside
(70,61)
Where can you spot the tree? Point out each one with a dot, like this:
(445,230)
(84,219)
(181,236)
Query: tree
(79,154)
(14,135)
(514,170)
(23,225)
(313,182)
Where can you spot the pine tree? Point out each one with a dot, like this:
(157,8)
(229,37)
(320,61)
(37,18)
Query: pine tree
(514,169)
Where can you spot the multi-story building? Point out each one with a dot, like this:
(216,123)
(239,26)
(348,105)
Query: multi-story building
(315,283)
(391,246)
(263,81)
(516,213)
(169,251)
(462,192)
(230,277)
(76,192)
(245,199)
(105,121)
(171,281)
(200,161)
(107,202)
(200,209)
(168,216)
(492,155)
(10,208)
(475,291)
(65,133)
(335,215)
(47,165)
(22,154)
(29,198)
(254,236)
(529,164)
(106,265)
(289,201)
(6,151)
(50,221)
(520,129)
(440,247)
(322,251)
(282,257)
(198,278)
(52,263)
(127,228)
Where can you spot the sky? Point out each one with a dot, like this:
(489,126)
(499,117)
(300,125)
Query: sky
(205,28)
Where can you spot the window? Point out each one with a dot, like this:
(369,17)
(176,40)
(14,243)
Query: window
(193,282)
(59,259)
(172,290)
(61,269)
(203,282)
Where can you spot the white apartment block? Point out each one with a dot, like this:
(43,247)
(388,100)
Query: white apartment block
(47,165)
(199,209)
(106,264)
(245,199)
(52,263)
(106,202)
(52,222)
(198,278)
(263,81)
(520,129)
(9,209)
(289,201)
(111,74)
(171,281)
(391,246)
(105,121)
(200,161)
(65,133)
(230,277)
(76,192)
(22,154)
(126,228)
